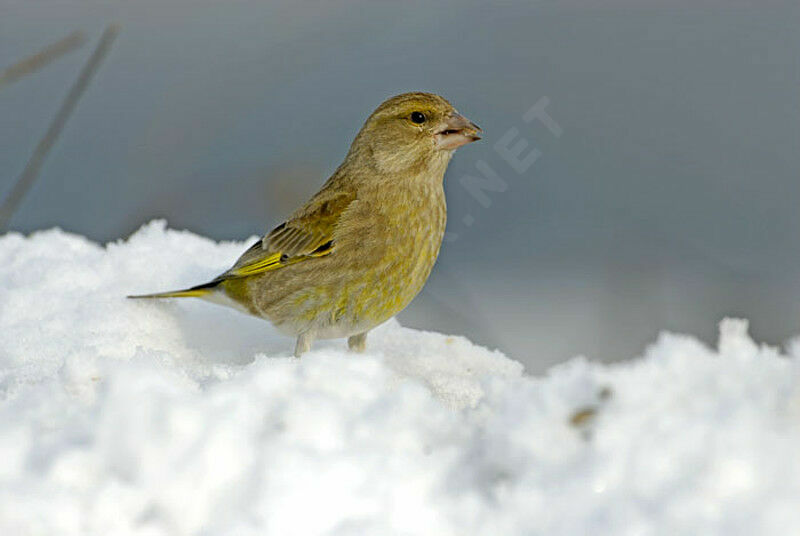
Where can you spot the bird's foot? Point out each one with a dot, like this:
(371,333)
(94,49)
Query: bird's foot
(358,343)
(303,345)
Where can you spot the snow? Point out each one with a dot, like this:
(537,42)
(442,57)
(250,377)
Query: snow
(148,418)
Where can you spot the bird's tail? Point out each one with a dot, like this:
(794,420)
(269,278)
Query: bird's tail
(198,291)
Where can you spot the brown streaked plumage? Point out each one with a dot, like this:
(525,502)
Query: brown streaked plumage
(359,250)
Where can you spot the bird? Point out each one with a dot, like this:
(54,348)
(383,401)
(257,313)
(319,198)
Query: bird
(360,250)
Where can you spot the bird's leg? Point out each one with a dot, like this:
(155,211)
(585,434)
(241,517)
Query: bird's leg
(358,343)
(303,345)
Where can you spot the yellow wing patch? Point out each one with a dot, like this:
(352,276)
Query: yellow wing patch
(277,260)
(265,264)
(308,234)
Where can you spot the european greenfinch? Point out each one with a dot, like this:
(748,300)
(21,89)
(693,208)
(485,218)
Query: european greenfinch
(362,247)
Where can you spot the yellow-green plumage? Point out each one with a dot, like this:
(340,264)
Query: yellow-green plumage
(362,248)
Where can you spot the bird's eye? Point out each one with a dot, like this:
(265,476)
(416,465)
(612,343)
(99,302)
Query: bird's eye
(417,117)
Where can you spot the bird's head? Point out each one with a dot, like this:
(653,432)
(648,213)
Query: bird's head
(413,130)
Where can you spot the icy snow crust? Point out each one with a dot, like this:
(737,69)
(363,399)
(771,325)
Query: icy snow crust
(121,417)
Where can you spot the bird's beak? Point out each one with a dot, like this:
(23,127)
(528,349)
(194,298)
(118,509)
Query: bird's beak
(456,131)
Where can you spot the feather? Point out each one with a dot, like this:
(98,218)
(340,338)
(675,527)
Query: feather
(307,234)
(188,293)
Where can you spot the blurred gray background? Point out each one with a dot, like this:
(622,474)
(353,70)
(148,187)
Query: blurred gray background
(669,201)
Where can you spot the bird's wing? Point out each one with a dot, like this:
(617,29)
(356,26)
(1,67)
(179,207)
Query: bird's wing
(306,235)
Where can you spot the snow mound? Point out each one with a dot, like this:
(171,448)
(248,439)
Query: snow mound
(143,418)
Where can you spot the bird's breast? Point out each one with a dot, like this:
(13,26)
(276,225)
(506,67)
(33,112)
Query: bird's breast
(397,250)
